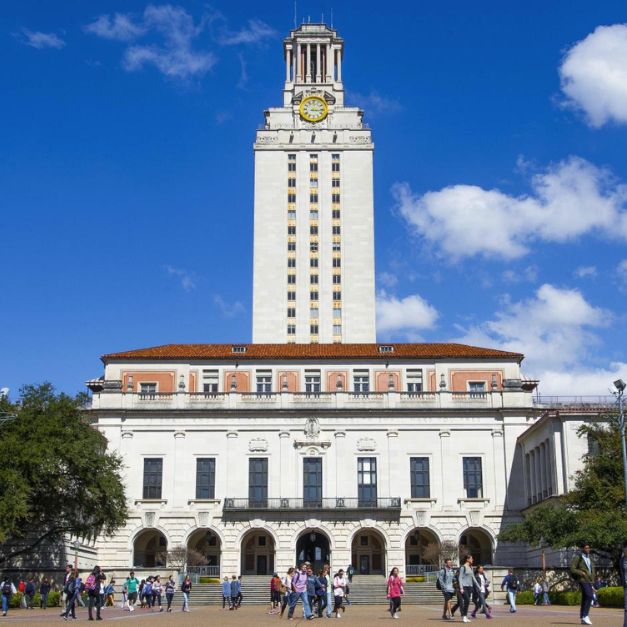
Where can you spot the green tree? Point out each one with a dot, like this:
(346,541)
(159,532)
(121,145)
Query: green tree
(593,511)
(56,476)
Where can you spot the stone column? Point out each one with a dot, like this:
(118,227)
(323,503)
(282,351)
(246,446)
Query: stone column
(298,70)
(231,471)
(340,437)
(308,61)
(392,440)
(445,496)
(339,65)
(177,495)
(329,60)
(500,479)
(284,464)
(318,68)
(287,65)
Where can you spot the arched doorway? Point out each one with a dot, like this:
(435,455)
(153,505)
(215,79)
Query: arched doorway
(203,549)
(257,553)
(368,552)
(150,549)
(478,543)
(422,552)
(313,546)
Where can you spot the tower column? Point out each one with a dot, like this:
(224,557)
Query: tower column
(308,72)
(318,68)
(298,70)
(329,60)
(287,65)
(339,65)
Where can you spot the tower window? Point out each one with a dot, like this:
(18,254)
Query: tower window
(335,214)
(337,279)
(337,262)
(313,247)
(313,229)
(335,166)
(291,182)
(291,167)
(291,215)
(313,295)
(335,183)
(291,279)
(313,198)
(337,295)
(291,198)
(313,279)
(291,230)
(313,166)
(291,262)
(291,312)
(291,329)
(335,198)
(291,246)
(313,329)
(313,262)
(291,295)
(337,230)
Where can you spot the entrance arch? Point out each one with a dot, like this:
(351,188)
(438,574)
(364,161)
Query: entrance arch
(478,543)
(150,549)
(368,552)
(203,549)
(257,553)
(422,551)
(313,546)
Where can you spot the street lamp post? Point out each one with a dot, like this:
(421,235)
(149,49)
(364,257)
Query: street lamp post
(620,390)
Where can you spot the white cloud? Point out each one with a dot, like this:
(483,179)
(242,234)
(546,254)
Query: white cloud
(118,26)
(39,40)
(228,310)
(554,329)
(186,279)
(387,279)
(374,102)
(594,75)
(568,200)
(256,32)
(174,55)
(585,272)
(581,382)
(405,315)
(526,275)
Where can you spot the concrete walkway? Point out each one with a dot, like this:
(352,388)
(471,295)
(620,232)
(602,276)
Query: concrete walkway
(361,615)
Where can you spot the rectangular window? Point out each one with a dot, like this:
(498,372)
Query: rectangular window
(337,312)
(337,262)
(291,215)
(210,381)
(335,214)
(313,312)
(291,198)
(291,246)
(477,389)
(335,198)
(291,182)
(313,229)
(419,476)
(313,279)
(291,279)
(205,478)
(337,247)
(335,182)
(312,382)
(313,166)
(414,381)
(313,214)
(291,295)
(337,230)
(147,390)
(337,279)
(291,157)
(335,166)
(153,477)
(313,198)
(313,295)
(258,481)
(291,312)
(291,262)
(337,329)
(313,262)
(473,481)
(291,229)
(264,382)
(367,481)
(361,381)
(291,329)
(337,295)
(313,247)
(313,183)
(312,481)
(313,329)
(291,167)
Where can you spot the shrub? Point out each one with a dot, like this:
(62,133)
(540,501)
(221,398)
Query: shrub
(524,598)
(208,580)
(611,597)
(415,579)
(565,598)
(16,600)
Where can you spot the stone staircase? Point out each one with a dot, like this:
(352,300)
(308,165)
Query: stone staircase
(255,591)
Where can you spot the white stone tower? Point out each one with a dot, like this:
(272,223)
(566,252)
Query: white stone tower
(314,237)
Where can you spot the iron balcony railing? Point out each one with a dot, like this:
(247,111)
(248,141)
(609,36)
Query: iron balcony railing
(339,502)
(420,569)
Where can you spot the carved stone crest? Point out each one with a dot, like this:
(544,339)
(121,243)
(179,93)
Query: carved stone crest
(366,444)
(312,428)
(258,444)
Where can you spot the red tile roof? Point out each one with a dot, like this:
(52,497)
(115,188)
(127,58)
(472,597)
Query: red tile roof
(224,352)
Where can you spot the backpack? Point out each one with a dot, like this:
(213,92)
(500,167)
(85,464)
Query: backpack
(6,588)
(438,584)
(513,583)
(91,583)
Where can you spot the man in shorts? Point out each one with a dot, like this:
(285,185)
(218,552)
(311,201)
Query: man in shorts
(131,587)
(446,579)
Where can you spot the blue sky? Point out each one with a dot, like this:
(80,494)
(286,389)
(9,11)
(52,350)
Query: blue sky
(126,176)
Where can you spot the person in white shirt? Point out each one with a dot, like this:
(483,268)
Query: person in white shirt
(537,592)
(339,591)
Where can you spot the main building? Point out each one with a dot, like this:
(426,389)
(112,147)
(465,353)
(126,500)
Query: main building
(315,440)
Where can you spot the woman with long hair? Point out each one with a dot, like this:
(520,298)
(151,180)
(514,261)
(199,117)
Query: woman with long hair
(395,591)
(467,583)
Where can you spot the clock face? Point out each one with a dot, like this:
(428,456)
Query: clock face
(313,109)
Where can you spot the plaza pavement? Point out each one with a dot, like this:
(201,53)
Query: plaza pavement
(361,615)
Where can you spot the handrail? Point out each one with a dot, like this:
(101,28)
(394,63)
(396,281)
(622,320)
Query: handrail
(339,502)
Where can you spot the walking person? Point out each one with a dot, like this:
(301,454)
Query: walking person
(226,592)
(481,593)
(537,592)
(132,585)
(157,590)
(446,578)
(583,571)
(170,587)
(147,593)
(467,583)
(326,569)
(322,584)
(510,583)
(29,593)
(240,596)
(92,585)
(395,592)
(186,588)
(234,592)
(7,591)
(350,571)
(109,593)
(545,592)
(72,591)
(311,588)
(44,591)
(124,604)
(286,589)
(275,594)
(339,591)
(299,591)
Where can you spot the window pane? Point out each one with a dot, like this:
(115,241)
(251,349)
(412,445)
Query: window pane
(473,482)
(205,478)
(153,471)
(419,469)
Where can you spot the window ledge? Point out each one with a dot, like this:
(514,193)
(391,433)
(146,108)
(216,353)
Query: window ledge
(151,501)
(204,501)
(421,500)
(468,500)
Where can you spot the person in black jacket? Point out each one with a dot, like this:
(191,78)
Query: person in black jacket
(622,567)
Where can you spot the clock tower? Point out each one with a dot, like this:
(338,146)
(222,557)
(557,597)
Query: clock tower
(313,276)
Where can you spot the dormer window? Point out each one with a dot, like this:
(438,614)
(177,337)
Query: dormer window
(238,349)
(386,349)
